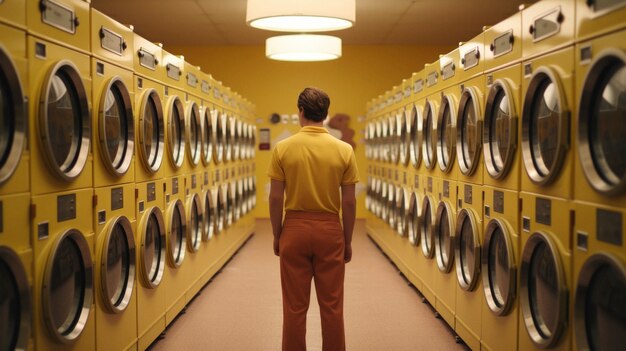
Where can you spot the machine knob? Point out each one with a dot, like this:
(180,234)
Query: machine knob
(124,46)
(477,54)
(531,29)
(560,18)
(463,61)
(101,33)
(590,3)
(76,22)
(140,54)
(492,47)
(42,5)
(511,39)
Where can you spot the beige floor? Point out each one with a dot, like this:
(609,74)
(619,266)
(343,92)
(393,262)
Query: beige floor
(241,308)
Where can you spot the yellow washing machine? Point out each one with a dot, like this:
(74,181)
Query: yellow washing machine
(415,120)
(16,273)
(468,236)
(447,116)
(150,248)
(193,267)
(469,122)
(595,18)
(428,218)
(193,119)
(545,273)
(227,125)
(393,125)
(220,208)
(548,99)
(15,156)
(404,121)
(60,95)
(429,120)
(63,288)
(113,103)
(503,51)
(115,279)
(391,203)
(499,269)
(599,276)
(600,170)
(176,127)
(413,234)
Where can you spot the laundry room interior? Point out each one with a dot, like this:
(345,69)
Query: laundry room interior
(139,141)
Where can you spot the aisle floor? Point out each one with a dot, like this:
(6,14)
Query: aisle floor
(241,308)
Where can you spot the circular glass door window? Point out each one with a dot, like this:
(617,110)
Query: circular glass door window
(207,138)
(15,302)
(153,248)
(178,234)
(228,138)
(394,140)
(428,131)
(467,250)
(13,118)
(415,137)
(196,219)
(151,131)
(218,148)
(426,230)
(469,132)
(209,216)
(500,132)
(194,134)
(176,128)
(404,138)
(414,220)
(236,138)
(444,237)
(600,307)
(68,286)
(601,125)
(498,268)
(65,121)
(118,266)
(445,134)
(117,130)
(221,211)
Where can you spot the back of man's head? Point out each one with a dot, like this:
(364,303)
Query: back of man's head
(314,102)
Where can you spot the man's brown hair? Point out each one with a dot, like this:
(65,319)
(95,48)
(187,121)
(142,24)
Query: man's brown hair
(314,102)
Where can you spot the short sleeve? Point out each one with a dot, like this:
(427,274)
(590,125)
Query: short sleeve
(275,170)
(351,174)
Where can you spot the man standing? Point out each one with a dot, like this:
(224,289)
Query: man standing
(314,175)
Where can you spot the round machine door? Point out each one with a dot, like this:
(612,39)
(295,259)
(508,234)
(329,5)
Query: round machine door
(208,134)
(220,210)
(498,268)
(394,140)
(444,237)
(500,130)
(384,212)
(543,290)
(238,199)
(152,250)
(116,127)
(64,121)
(469,132)
(252,142)
(236,139)
(228,202)
(177,233)
(427,232)
(228,130)
(400,211)
(15,302)
(377,142)
(176,132)
(67,291)
(429,131)
(218,144)
(415,137)
(368,141)
(117,265)
(209,216)
(195,226)
(404,137)
(244,141)
(413,220)
(13,118)
(194,133)
(368,194)
(245,196)
(253,192)
(601,127)
(376,208)
(151,131)
(467,249)
(545,126)
(391,206)
(599,307)
(446,133)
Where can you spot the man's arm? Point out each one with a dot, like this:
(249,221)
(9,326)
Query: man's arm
(348,208)
(277,197)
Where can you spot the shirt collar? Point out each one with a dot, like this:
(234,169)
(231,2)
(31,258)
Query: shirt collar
(311,129)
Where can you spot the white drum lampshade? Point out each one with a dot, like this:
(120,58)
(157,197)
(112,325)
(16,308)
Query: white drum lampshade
(303,47)
(301,15)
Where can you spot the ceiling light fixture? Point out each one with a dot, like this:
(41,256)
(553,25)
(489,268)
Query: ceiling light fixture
(301,15)
(303,47)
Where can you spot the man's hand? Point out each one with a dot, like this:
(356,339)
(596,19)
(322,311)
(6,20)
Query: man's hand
(347,254)
(276,247)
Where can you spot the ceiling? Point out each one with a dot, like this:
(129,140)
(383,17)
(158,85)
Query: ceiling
(378,22)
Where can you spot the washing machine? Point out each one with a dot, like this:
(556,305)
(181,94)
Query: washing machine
(15,159)
(595,18)
(499,269)
(548,99)
(413,235)
(227,198)
(600,170)
(447,115)
(63,282)
(545,273)
(469,122)
(429,120)
(501,126)
(599,277)
(16,273)
(176,126)
(60,96)
(405,124)
(391,204)
(149,114)
(194,267)
(193,118)
(115,271)
(427,261)
(113,103)
(415,120)
(150,248)
(468,236)
(220,208)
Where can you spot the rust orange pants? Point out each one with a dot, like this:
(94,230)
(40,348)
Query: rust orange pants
(311,246)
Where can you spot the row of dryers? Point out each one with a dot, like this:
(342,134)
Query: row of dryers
(126,180)
(497,181)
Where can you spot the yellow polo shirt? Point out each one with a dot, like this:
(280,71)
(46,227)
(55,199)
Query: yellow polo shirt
(313,164)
